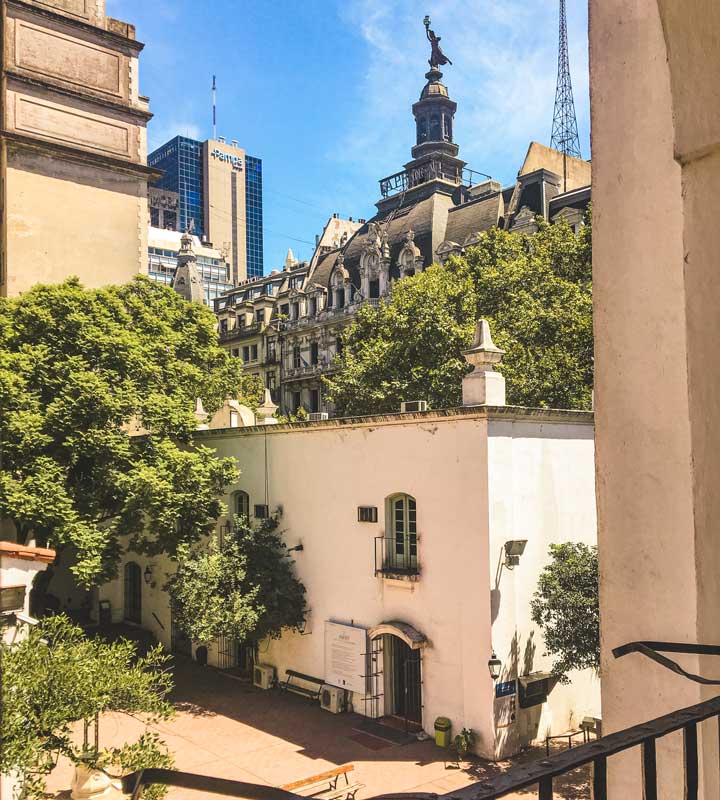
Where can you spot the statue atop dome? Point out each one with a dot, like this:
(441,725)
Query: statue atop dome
(437,57)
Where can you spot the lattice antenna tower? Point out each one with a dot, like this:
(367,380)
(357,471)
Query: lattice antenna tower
(564,129)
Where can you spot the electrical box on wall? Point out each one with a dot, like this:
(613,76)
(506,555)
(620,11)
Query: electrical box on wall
(534,689)
(367,514)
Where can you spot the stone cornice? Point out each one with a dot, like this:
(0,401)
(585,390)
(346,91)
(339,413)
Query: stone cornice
(103,33)
(94,99)
(490,413)
(81,156)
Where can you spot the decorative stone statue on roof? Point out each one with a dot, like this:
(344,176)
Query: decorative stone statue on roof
(437,57)
(187,282)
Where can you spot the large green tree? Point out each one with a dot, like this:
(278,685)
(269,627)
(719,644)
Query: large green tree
(57,677)
(79,370)
(241,585)
(566,608)
(536,292)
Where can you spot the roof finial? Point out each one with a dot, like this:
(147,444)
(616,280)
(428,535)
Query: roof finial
(290,261)
(483,386)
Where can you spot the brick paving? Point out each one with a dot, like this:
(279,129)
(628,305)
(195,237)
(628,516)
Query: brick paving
(229,729)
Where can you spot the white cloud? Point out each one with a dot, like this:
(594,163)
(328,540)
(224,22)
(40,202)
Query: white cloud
(503,77)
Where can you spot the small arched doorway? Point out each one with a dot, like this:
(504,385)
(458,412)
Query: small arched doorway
(133,593)
(396,652)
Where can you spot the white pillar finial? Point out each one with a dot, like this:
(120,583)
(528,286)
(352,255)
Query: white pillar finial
(483,386)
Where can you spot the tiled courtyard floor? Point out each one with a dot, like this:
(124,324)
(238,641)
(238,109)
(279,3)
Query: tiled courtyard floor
(229,729)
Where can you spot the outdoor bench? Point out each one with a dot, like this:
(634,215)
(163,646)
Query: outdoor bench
(311,787)
(290,686)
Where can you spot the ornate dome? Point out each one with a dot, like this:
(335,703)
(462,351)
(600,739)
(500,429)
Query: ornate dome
(434,89)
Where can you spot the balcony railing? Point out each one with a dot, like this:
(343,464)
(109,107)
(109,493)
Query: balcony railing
(245,330)
(397,557)
(434,169)
(304,371)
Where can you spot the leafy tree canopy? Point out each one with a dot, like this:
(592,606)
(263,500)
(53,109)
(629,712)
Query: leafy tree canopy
(55,677)
(78,369)
(536,293)
(242,587)
(566,608)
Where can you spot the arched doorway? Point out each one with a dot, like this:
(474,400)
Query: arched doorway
(396,653)
(133,593)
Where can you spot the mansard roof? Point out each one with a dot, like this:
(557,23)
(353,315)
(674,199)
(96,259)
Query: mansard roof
(474,217)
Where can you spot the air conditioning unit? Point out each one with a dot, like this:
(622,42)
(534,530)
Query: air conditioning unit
(263,676)
(333,699)
(413,405)
(318,416)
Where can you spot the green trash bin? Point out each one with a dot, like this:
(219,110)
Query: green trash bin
(442,731)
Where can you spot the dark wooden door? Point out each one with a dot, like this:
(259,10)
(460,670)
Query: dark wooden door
(408,687)
(133,593)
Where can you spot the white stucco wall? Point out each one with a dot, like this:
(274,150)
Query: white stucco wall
(541,488)
(321,473)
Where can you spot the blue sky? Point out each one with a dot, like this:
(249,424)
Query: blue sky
(322,90)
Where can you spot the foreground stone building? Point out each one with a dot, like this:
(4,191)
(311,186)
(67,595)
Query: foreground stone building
(433,208)
(657,371)
(72,146)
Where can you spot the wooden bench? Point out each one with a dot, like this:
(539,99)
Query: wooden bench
(289,686)
(335,788)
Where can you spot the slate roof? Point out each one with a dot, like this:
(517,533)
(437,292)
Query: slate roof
(477,215)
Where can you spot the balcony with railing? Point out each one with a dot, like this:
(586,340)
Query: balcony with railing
(434,169)
(397,557)
(239,333)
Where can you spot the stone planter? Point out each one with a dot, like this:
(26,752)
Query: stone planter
(89,783)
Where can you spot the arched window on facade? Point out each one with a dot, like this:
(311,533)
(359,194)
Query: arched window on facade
(241,506)
(401,545)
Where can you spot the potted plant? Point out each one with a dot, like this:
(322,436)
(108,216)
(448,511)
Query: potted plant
(464,743)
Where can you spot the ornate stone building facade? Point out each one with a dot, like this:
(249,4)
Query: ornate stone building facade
(433,208)
(72,146)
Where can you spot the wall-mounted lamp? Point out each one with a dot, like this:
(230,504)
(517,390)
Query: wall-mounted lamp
(513,550)
(495,666)
(298,548)
(147,574)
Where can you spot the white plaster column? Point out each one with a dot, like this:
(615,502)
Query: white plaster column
(483,386)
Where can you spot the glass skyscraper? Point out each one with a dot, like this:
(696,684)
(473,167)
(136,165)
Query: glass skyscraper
(181,160)
(200,172)
(254,210)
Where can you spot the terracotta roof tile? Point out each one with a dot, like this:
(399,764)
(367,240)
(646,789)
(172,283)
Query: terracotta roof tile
(26,553)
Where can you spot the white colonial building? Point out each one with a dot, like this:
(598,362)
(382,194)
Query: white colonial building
(410,525)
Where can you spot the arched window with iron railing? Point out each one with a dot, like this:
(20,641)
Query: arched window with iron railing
(401,545)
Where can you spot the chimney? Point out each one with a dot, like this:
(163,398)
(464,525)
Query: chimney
(483,386)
